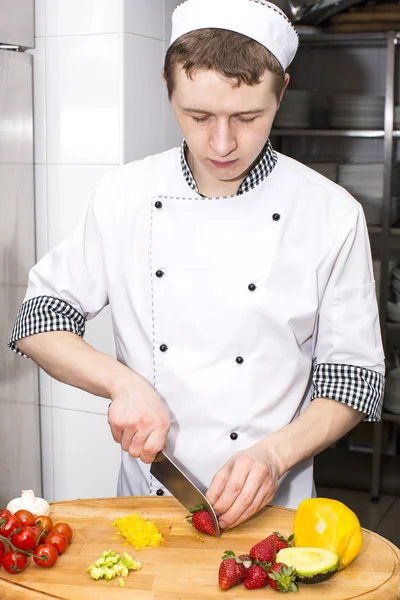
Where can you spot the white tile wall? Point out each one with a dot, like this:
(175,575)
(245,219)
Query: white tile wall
(69,189)
(99,102)
(41,212)
(40,19)
(172,134)
(169,7)
(46,426)
(39,99)
(26,418)
(85,459)
(144,17)
(17,217)
(82,16)
(83,100)
(143,125)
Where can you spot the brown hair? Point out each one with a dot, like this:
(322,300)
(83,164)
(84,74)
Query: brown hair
(231,54)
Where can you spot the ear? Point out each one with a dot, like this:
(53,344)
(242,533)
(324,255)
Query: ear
(163,77)
(287,79)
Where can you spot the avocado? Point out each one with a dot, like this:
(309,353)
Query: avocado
(313,565)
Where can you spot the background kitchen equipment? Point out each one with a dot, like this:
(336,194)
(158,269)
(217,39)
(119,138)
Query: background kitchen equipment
(370,17)
(314,13)
(19,398)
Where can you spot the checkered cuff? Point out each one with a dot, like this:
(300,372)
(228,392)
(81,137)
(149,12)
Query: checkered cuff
(42,314)
(357,387)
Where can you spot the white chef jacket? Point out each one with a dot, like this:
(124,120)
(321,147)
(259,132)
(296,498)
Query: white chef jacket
(238,310)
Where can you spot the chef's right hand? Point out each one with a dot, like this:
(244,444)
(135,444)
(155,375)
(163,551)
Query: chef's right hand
(138,418)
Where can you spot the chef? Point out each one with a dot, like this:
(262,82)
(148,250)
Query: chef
(240,284)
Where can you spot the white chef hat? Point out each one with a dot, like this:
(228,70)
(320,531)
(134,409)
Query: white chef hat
(257,19)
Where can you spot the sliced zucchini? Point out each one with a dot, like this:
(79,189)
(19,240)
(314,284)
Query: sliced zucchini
(313,565)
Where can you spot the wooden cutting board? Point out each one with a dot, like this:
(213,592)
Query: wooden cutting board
(185,566)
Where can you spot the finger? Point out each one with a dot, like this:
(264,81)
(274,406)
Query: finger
(154,443)
(260,502)
(255,480)
(127,437)
(135,448)
(233,487)
(218,484)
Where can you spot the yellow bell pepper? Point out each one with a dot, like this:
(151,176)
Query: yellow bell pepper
(329,524)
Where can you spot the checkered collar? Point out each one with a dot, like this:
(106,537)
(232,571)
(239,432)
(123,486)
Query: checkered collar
(259,172)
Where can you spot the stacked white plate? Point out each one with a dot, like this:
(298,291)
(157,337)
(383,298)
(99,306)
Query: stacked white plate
(357,111)
(365,183)
(295,110)
(391,400)
(328,169)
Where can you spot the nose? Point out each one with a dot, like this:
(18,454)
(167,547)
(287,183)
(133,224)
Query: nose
(223,139)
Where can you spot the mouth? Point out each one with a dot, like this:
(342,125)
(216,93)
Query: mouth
(223,165)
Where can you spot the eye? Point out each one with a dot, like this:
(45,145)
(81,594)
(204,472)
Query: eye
(200,119)
(242,120)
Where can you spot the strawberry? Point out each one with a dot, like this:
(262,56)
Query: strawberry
(281,542)
(245,558)
(256,575)
(200,518)
(231,571)
(282,578)
(264,551)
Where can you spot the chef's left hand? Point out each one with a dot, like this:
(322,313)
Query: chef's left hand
(243,486)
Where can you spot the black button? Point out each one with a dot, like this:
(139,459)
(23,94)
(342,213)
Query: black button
(251,287)
(158,204)
(234,435)
(163,347)
(276,216)
(160,492)
(239,360)
(159,273)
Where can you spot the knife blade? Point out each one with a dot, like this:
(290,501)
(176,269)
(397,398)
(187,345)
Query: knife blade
(180,486)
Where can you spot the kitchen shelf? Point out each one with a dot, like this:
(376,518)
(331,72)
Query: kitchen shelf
(346,39)
(355,133)
(393,418)
(385,239)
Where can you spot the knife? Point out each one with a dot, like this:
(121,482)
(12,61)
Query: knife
(180,486)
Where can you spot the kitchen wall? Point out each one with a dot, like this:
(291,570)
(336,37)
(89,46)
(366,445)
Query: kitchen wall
(99,103)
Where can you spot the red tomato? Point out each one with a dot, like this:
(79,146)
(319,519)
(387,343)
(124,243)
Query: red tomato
(2,547)
(1,556)
(25,539)
(40,534)
(63,528)
(14,562)
(25,517)
(45,555)
(58,540)
(8,527)
(4,514)
(44,522)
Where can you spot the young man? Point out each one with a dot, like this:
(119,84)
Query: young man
(240,284)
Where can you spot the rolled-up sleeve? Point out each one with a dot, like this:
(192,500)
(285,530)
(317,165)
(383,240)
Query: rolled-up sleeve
(349,358)
(67,287)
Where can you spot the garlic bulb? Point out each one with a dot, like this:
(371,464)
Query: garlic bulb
(28,501)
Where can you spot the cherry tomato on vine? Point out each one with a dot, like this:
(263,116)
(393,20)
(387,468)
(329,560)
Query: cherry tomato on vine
(26,517)
(1,556)
(64,529)
(2,547)
(40,534)
(45,555)
(4,514)
(14,562)
(44,522)
(10,525)
(58,540)
(25,539)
